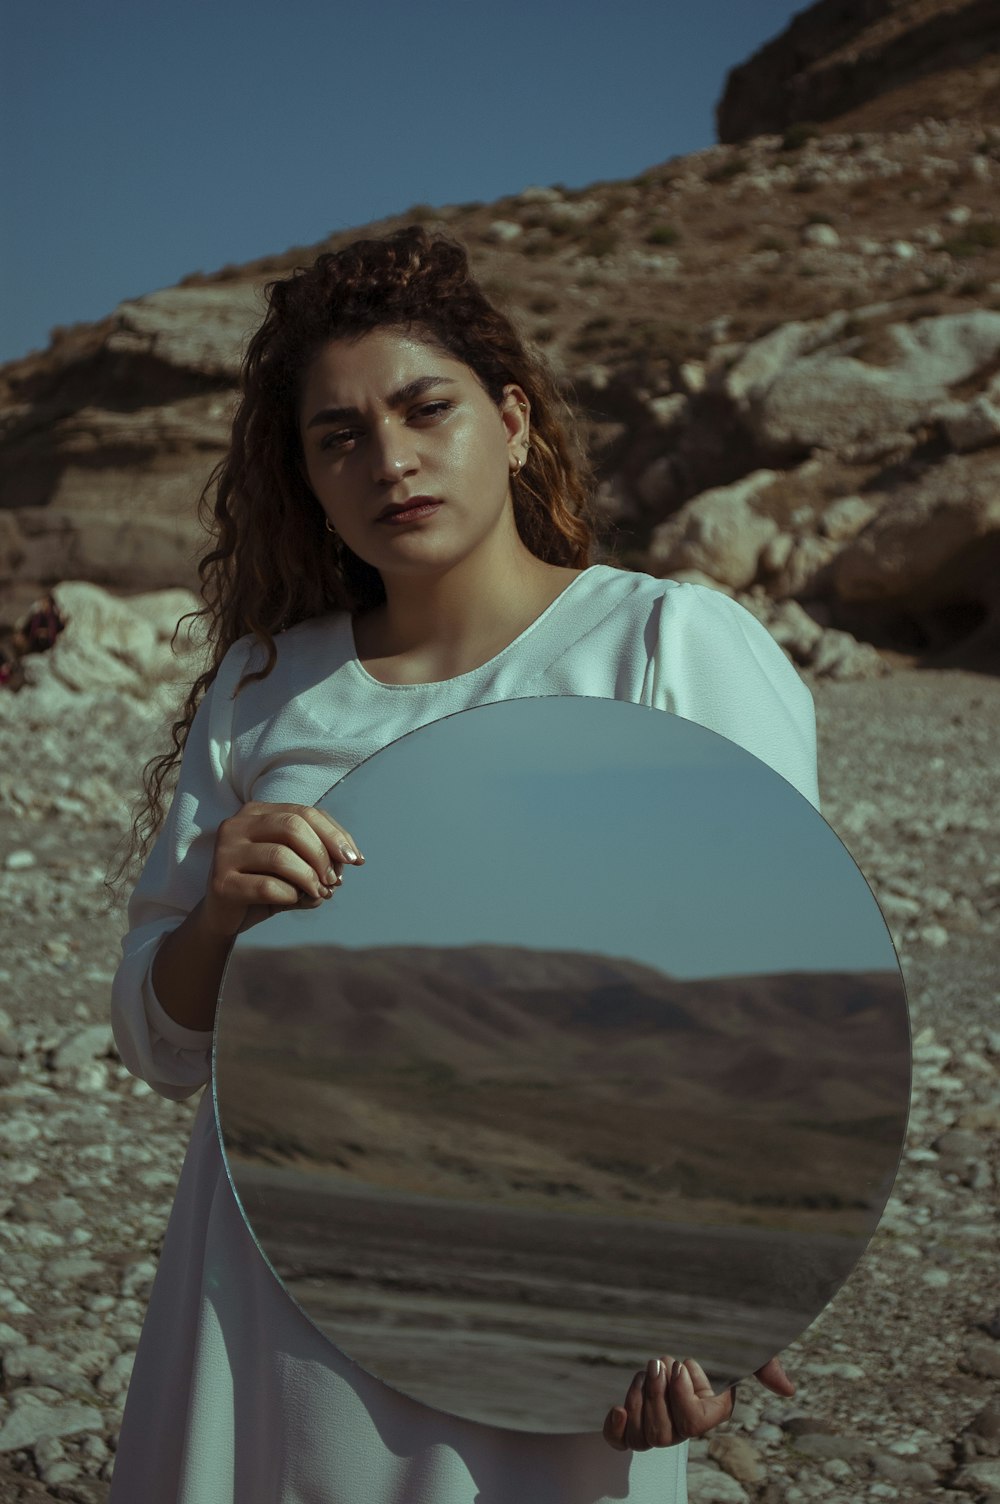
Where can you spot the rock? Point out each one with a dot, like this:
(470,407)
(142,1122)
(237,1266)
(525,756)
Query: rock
(844,518)
(711,1486)
(774,555)
(806,571)
(19,861)
(922,528)
(983,1477)
(79,1049)
(31,1420)
(537,194)
(718,532)
(761,362)
(668,410)
(98,619)
(795,630)
(816,1444)
(982,1358)
(851,67)
(970,425)
(196,329)
(738,1457)
(840,656)
(832,398)
(903,250)
(49,544)
(503,231)
(820,235)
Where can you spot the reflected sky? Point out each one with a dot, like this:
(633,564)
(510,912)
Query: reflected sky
(595,825)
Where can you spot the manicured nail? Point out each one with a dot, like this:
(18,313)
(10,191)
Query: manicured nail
(653,1368)
(331,877)
(350,853)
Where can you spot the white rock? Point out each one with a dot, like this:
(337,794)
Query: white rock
(30,1420)
(503,231)
(84,1046)
(20,861)
(903,250)
(820,235)
(960,215)
(710,1485)
(718,532)
(845,517)
(536,194)
(971,425)
(667,410)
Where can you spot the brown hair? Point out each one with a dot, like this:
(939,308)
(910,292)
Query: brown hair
(274,563)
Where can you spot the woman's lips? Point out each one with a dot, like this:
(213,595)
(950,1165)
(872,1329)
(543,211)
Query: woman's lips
(422,506)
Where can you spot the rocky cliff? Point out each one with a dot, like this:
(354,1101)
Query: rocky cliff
(796,397)
(869,65)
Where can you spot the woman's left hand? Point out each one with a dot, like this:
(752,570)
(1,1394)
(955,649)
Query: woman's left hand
(672,1402)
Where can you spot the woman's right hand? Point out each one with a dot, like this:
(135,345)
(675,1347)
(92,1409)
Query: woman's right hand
(270,857)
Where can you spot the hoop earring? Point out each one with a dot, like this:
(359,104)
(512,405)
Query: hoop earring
(520,467)
(330,527)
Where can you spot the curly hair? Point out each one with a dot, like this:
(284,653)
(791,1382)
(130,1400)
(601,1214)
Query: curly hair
(273,563)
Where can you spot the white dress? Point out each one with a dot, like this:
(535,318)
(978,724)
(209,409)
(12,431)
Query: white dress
(236,1398)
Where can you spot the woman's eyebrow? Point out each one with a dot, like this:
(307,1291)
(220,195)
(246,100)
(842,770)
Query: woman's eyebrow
(398,398)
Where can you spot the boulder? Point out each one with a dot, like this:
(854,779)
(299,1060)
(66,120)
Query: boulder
(718,532)
(45,544)
(921,528)
(794,630)
(798,391)
(806,571)
(203,329)
(844,518)
(970,425)
(114,644)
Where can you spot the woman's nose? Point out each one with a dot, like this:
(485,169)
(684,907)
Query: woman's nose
(393,454)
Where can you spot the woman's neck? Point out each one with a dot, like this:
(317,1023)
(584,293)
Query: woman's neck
(439,626)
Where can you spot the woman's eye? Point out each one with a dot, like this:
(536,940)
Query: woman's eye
(338,440)
(433,409)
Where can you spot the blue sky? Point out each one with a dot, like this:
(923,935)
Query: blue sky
(146,141)
(577,824)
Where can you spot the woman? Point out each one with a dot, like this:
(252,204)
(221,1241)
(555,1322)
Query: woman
(402,533)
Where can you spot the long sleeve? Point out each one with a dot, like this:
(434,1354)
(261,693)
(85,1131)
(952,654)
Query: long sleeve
(176,1061)
(715,663)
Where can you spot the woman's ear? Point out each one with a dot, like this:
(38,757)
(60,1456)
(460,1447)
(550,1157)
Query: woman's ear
(515,413)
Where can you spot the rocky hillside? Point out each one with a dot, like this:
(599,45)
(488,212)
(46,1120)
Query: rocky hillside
(869,65)
(785,353)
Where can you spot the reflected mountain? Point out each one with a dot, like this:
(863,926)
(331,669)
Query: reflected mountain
(585,1083)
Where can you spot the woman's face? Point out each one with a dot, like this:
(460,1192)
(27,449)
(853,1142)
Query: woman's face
(387,419)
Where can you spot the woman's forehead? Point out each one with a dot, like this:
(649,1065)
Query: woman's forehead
(377,365)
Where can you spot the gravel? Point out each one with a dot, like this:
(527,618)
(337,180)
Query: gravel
(897,1379)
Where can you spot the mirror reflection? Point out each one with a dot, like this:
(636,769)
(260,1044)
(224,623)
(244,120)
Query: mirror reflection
(603,1053)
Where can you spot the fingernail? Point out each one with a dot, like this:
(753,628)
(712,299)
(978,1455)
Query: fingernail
(331,877)
(653,1368)
(324,891)
(350,853)
(674,1367)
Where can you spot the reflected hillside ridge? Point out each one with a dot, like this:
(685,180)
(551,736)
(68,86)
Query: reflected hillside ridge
(531,1078)
(542,1117)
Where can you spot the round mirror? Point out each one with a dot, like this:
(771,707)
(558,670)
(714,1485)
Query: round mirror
(603,1053)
